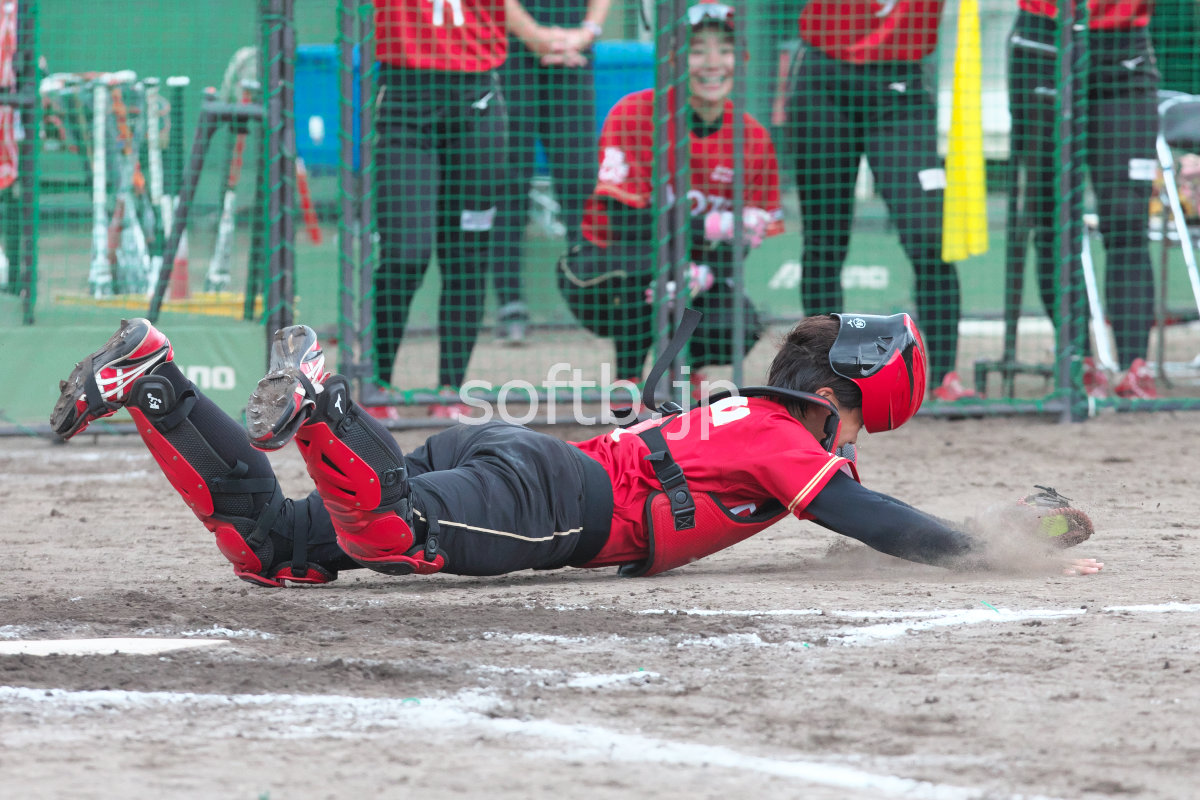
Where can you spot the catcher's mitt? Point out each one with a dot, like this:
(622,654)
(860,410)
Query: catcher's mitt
(1062,524)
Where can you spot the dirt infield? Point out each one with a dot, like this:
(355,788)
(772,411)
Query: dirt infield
(786,667)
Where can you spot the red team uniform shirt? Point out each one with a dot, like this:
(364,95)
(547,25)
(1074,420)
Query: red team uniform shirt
(870,31)
(745,450)
(1103,15)
(441,35)
(627,167)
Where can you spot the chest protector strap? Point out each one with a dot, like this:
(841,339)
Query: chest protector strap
(684,527)
(670,475)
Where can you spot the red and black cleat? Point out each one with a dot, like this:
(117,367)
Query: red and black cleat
(100,384)
(286,395)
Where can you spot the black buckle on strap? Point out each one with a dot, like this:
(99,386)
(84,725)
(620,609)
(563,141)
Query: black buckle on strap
(670,476)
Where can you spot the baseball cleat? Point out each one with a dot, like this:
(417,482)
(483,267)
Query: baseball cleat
(952,390)
(1138,383)
(100,384)
(286,395)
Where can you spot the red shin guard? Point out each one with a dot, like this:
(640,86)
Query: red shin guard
(352,490)
(194,489)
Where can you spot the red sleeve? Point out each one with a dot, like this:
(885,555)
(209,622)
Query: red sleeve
(762,185)
(797,474)
(627,152)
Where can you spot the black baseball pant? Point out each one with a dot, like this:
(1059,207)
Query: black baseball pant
(442,143)
(1118,139)
(557,107)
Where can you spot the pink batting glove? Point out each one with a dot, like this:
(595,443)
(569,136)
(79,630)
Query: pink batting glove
(700,279)
(718,226)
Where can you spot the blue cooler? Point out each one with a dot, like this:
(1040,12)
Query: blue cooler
(316,107)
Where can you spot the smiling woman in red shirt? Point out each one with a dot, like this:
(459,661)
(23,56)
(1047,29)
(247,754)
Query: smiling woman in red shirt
(606,272)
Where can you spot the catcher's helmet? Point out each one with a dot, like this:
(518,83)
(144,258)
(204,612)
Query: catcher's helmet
(885,356)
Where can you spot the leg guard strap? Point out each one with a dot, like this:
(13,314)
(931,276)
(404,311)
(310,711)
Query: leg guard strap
(420,559)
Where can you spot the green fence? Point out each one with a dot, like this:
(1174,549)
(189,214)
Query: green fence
(483,221)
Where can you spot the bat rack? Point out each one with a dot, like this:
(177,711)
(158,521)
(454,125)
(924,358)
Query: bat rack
(213,115)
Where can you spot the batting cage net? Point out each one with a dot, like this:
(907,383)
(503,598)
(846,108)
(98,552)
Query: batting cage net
(480,202)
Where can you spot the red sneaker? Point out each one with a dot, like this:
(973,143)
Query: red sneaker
(451,411)
(100,384)
(952,389)
(448,408)
(1095,380)
(1138,382)
(382,412)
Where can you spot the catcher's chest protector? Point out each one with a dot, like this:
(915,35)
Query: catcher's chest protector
(716,528)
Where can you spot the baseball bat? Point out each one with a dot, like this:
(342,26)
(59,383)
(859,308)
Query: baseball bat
(100,279)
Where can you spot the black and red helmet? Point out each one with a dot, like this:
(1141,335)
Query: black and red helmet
(885,356)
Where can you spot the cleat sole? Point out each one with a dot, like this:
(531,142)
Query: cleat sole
(271,408)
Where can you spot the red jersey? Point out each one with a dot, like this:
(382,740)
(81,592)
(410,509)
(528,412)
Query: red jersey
(441,35)
(627,166)
(869,31)
(744,450)
(1103,15)
(8,80)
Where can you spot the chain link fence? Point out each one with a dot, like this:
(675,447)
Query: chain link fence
(472,205)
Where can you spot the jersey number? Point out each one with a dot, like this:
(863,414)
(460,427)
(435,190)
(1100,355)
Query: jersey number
(456,12)
(731,409)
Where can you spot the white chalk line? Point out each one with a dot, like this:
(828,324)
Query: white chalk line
(41,479)
(11,632)
(1160,608)
(257,716)
(108,646)
(910,621)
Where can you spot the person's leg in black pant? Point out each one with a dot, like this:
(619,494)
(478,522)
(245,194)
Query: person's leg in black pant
(1122,126)
(827,148)
(472,175)
(520,76)
(902,152)
(568,132)
(406,200)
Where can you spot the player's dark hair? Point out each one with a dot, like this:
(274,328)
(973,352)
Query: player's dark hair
(802,363)
(713,25)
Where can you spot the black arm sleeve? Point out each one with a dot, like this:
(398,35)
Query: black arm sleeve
(890,526)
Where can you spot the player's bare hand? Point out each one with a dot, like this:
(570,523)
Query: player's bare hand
(545,39)
(567,58)
(1082,566)
(577,39)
